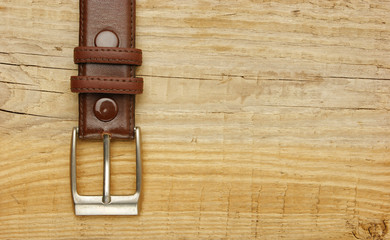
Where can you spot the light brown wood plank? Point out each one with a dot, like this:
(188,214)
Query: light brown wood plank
(260,120)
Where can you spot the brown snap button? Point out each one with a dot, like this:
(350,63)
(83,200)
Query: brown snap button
(105,109)
(106,38)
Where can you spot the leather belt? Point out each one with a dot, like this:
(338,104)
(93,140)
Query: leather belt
(107,85)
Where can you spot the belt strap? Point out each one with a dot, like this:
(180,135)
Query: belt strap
(100,84)
(107,58)
(107,85)
(110,55)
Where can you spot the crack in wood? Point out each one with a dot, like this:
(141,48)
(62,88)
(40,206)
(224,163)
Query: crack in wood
(39,90)
(327,108)
(33,65)
(17,83)
(33,115)
(252,78)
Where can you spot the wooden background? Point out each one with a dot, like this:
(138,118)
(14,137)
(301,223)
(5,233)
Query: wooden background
(260,120)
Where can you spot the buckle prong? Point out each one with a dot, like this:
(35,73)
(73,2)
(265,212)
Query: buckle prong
(106,169)
(106,204)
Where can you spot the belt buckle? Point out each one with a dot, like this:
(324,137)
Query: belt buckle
(106,204)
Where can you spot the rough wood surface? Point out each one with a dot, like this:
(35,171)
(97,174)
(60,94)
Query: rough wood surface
(260,120)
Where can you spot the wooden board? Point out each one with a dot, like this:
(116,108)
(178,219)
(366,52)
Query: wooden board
(260,120)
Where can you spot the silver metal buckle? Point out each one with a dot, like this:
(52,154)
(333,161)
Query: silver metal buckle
(106,204)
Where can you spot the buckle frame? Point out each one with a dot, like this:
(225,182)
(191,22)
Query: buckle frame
(106,204)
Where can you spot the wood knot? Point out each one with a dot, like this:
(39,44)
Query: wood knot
(371,230)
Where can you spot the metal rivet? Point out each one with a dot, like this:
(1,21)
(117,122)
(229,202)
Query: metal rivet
(106,38)
(105,109)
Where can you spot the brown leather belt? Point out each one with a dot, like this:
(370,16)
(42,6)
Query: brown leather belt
(107,85)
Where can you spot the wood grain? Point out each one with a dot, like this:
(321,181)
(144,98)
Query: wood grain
(260,120)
